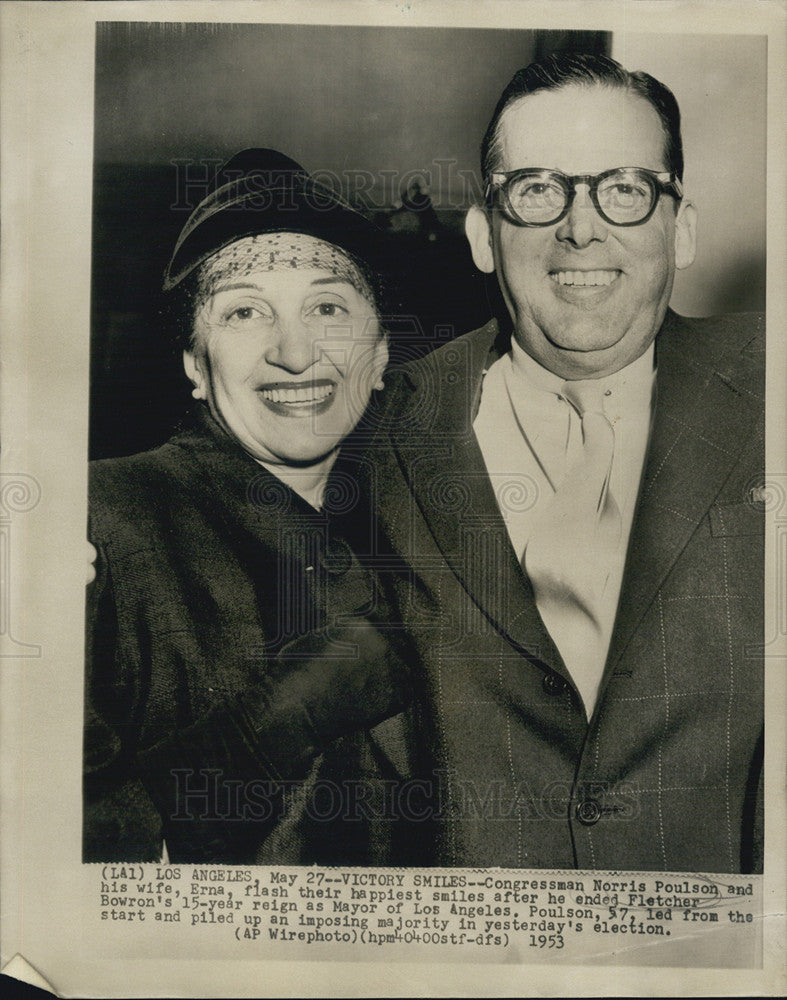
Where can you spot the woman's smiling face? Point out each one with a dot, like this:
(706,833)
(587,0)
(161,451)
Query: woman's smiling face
(286,359)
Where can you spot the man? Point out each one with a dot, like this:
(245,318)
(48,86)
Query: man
(585,582)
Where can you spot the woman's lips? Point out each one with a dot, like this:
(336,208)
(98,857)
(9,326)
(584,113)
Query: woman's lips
(297,399)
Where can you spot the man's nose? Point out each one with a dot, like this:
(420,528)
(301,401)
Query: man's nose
(582,224)
(293,345)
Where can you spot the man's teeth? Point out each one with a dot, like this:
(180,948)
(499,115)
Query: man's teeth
(584,277)
(303,394)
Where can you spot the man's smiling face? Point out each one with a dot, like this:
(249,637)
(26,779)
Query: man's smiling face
(587,297)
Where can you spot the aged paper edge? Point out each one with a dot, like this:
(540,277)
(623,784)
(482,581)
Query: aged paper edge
(47,67)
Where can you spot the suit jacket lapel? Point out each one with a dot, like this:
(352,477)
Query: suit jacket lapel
(699,416)
(442,461)
(250,500)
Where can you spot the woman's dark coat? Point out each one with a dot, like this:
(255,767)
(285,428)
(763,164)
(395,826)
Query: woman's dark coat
(207,565)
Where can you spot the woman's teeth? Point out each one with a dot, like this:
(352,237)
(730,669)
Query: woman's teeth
(302,394)
(584,277)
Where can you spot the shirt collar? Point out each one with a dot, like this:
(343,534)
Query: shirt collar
(630,388)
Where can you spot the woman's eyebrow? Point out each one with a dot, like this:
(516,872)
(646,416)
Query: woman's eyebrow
(332,279)
(236,286)
(240,285)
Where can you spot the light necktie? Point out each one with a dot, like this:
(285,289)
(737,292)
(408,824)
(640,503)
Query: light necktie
(574,545)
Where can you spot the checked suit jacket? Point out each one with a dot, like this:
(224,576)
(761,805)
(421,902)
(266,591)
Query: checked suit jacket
(667,774)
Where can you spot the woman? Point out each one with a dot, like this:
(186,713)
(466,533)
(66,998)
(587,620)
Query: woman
(232,666)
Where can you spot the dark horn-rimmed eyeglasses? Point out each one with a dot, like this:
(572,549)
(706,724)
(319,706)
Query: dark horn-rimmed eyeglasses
(624,196)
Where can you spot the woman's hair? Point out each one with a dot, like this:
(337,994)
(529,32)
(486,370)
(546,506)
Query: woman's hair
(179,308)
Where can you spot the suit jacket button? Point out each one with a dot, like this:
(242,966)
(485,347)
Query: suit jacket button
(588,812)
(337,557)
(553,684)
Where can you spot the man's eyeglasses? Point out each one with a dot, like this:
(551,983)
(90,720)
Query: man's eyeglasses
(624,196)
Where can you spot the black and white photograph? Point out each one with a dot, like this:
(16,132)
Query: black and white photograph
(491,627)
(418,560)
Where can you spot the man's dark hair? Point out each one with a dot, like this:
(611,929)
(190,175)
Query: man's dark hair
(566,68)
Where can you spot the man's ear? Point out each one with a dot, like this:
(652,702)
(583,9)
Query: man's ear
(479,235)
(685,235)
(194,368)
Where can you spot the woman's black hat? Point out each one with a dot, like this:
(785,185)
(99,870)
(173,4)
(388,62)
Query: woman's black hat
(264,191)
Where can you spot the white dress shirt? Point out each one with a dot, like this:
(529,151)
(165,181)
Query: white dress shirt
(527,452)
